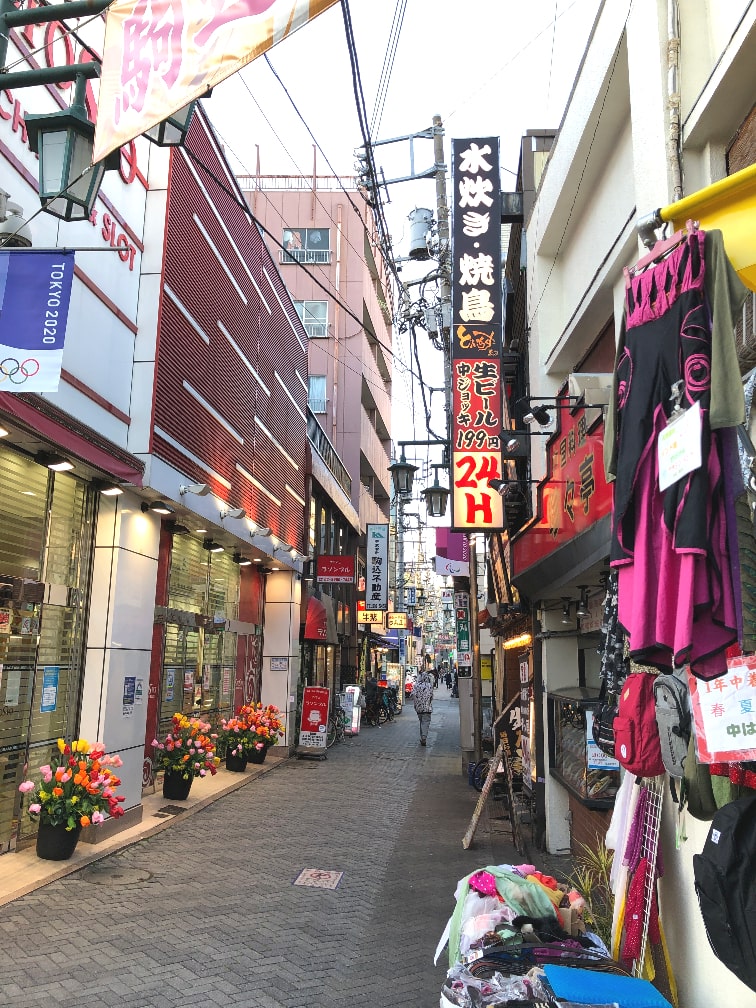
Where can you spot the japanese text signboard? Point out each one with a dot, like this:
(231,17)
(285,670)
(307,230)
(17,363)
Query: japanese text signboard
(574,494)
(464,651)
(313,725)
(374,617)
(335,569)
(724,712)
(476,335)
(376,588)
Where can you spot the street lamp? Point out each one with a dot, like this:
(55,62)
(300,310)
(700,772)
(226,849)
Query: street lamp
(172,131)
(436,497)
(402,475)
(64,141)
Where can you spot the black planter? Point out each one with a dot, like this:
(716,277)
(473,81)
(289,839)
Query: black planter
(56,843)
(175,786)
(258,755)
(236,763)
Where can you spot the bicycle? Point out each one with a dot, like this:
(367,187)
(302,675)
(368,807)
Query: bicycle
(337,725)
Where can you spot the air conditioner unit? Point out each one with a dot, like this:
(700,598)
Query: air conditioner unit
(593,387)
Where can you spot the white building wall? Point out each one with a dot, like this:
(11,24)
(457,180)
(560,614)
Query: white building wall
(577,247)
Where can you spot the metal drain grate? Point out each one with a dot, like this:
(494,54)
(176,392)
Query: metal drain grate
(167,810)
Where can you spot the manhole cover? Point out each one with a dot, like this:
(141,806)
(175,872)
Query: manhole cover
(170,810)
(105,874)
(318,878)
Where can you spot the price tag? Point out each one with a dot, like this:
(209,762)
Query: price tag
(679,447)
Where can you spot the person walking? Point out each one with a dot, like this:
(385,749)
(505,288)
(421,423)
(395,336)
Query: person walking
(422,696)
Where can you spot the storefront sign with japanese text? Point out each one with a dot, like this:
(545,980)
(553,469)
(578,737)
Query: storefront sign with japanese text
(724,712)
(476,335)
(574,494)
(397,621)
(376,589)
(375,617)
(313,726)
(335,569)
(464,653)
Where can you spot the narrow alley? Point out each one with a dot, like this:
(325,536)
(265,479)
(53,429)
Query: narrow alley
(207,912)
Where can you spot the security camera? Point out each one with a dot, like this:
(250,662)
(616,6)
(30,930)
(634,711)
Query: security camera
(14,231)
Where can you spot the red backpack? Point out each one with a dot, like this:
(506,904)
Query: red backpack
(636,733)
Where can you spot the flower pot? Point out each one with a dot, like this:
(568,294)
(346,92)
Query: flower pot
(56,843)
(236,762)
(258,755)
(175,786)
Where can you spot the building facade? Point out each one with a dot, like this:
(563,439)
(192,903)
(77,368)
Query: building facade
(652,72)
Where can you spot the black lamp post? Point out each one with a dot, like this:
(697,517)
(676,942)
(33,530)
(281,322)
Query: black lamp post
(402,474)
(436,497)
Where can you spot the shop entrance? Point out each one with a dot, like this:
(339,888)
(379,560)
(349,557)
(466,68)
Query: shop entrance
(45,552)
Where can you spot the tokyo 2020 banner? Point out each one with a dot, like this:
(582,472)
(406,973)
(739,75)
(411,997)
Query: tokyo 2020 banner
(160,55)
(35,291)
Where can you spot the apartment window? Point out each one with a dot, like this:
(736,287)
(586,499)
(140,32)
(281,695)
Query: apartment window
(306,245)
(316,396)
(314,315)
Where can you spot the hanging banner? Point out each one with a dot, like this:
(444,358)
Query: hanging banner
(476,336)
(35,291)
(376,589)
(160,55)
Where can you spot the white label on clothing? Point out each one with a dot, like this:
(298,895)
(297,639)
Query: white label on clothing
(679,447)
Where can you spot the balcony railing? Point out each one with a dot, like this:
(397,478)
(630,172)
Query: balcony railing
(316,330)
(317,256)
(319,441)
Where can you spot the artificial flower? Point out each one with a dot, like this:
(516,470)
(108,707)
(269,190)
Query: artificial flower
(83,789)
(189,739)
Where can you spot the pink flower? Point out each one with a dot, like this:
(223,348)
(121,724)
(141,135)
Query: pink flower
(25,786)
(35,808)
(46,773)
(98,817)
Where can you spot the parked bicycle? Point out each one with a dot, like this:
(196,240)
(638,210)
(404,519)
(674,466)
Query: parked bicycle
(337,725)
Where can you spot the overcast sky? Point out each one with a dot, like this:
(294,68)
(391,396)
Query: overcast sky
(487,67)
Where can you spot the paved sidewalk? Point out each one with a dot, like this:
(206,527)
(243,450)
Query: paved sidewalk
(205,912)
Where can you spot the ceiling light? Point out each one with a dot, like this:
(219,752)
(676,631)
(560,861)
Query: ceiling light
(582,609)
(3,432)
(200,489)
(158,507)
(212,547)
(107,489)
(566,618)
(241,560)
(55,462)
(232,513)
(176,528)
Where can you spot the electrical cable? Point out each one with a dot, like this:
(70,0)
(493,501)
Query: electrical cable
(388,66)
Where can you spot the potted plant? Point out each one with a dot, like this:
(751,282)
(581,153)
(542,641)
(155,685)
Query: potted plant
(76,789)
(265,728)
(186,752)
(235,740)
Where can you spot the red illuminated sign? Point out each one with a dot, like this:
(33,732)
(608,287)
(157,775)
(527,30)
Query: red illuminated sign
(573,496)
(335,569)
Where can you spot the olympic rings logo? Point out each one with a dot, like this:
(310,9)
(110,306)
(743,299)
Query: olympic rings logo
(11,368)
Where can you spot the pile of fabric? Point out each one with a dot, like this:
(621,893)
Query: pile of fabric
(517,938)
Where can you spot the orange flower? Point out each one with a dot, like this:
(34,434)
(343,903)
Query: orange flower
(58,792)
(85,820)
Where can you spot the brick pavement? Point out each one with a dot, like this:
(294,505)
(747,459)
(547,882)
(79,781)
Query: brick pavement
(205,913)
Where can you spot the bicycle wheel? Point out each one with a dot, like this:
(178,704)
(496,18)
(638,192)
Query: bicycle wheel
(479,774)
(340,729)
(331,733)
(383,715)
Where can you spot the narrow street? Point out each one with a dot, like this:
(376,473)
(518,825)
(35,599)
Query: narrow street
(207,913)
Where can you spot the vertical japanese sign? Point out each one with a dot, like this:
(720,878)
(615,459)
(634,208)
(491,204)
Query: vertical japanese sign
(464,650)
(376,589)
(35,290)
(160,55)
(476,335)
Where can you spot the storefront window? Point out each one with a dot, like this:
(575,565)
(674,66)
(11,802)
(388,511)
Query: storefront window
(45,552)
(199,658)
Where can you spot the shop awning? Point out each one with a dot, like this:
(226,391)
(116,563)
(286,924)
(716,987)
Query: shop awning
(35,415)
(320,621)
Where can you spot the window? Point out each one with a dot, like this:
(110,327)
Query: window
(314,315)
(306,245)
(316,396)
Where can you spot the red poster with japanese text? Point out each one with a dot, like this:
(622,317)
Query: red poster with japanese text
(313,726)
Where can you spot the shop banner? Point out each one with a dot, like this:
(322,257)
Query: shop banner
(35,291)
(314,724)
(724,713)
(160,55)
(335,569)
(464,650)
(376,590)
(476,336)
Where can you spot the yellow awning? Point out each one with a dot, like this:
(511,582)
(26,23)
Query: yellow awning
(729,206)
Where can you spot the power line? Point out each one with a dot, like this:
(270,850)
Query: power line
(388,65)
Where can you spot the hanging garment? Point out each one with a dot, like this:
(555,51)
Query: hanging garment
(674,549)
